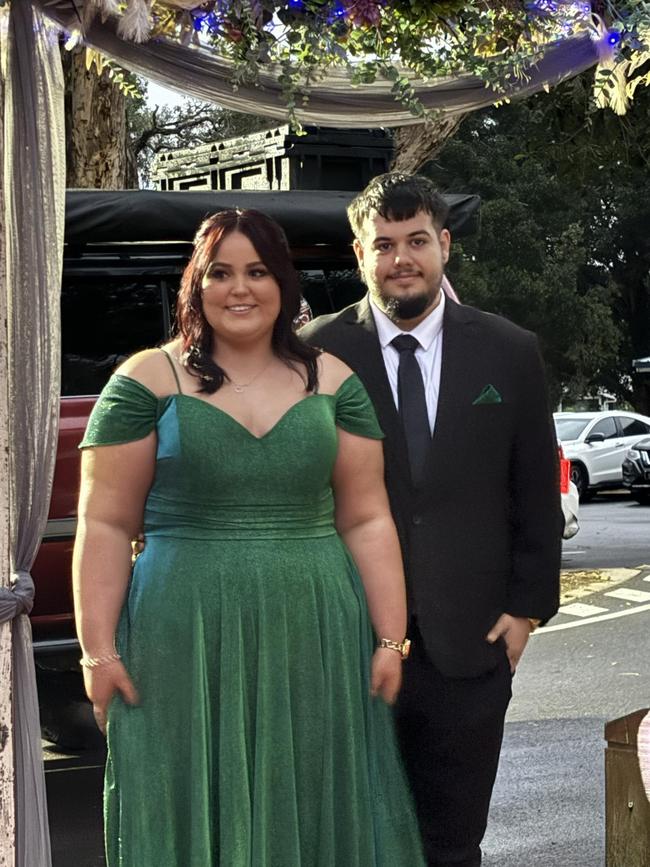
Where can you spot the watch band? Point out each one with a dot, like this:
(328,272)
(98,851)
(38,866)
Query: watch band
(402,647)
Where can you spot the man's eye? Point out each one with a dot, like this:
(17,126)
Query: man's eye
(419,242)
(382,247)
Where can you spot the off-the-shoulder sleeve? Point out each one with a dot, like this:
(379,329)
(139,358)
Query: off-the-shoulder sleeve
(125,411)
(354,410)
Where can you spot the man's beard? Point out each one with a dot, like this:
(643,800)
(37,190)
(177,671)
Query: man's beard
(405,308)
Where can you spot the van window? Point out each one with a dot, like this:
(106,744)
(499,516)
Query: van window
(103,320)
(107,315)
(328,290)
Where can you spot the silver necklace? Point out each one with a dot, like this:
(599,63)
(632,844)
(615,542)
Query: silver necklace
(240,386)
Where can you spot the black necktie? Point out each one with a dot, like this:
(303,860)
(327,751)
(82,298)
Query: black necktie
(412,404)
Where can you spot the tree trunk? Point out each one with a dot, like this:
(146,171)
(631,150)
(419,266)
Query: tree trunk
(415,145)
(98,152)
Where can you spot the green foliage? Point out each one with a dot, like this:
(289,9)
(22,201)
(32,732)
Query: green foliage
(124,80)
(564,247)
(400,39)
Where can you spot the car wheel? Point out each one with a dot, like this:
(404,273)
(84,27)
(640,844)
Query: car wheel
(642,497)
(580,479)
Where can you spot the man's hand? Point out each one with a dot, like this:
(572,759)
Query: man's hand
(515,632)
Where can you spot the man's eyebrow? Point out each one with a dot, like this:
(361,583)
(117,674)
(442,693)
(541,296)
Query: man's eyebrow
(410,235)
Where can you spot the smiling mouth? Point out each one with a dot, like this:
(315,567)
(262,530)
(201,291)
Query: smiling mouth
(240,308)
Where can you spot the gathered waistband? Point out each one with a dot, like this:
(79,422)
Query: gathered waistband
(248,522)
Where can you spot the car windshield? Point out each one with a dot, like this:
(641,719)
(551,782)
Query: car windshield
(570,428)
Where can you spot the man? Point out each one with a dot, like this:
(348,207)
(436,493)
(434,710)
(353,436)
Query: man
(470,459)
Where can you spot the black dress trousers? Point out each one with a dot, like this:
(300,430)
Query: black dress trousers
(450,732)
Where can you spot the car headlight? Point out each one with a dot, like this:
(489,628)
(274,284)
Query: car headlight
(633,454)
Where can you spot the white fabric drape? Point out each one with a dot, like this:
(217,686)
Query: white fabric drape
(33,220)
(334,101)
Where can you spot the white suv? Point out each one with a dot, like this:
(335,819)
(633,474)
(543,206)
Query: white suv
(596,444)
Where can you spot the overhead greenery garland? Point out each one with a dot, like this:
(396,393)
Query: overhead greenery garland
(397,40)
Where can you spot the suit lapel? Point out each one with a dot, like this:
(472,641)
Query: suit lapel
(455,390)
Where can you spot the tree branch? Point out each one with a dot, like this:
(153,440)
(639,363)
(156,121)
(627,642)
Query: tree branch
(168,129)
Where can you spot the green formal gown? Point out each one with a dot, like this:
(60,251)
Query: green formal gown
(245,629)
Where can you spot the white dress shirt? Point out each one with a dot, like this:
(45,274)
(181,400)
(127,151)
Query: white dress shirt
(428,354)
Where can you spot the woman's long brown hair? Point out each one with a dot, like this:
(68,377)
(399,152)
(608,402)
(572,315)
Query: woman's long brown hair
(271,245)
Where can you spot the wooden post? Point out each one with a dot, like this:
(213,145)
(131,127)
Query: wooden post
(7,805)
(627,807)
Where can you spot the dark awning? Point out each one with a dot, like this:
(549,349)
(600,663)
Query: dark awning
(307,216)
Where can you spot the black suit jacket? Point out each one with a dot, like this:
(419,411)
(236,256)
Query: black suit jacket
(481,534)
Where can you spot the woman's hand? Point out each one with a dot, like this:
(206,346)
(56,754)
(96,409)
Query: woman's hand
(137,547)
(386,674)
(102,682)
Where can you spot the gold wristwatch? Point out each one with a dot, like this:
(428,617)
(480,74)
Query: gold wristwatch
(403,647)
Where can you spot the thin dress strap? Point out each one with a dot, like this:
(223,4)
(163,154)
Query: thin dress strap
(173,367)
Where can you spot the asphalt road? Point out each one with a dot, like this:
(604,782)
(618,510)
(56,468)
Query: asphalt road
(614,531)
(548,805)
(549,801)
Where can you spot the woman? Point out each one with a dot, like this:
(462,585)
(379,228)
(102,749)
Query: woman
(241,727)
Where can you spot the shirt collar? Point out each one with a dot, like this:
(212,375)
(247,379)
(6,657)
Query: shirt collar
(425,333)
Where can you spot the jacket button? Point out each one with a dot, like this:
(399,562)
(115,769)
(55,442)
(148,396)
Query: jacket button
(417,519)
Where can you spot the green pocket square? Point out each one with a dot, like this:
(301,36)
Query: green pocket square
(488,395)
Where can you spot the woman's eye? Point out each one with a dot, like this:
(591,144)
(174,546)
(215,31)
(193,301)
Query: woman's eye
(217,274)
(258,272)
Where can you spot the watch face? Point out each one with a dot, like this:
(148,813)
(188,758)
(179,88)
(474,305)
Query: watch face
(406,648)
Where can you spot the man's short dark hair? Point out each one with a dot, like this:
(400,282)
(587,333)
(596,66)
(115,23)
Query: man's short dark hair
(398,196)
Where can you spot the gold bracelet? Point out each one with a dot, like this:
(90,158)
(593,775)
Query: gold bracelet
(533,622)
(94,661)
(402,647)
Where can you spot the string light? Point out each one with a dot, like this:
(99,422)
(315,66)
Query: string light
(338,11)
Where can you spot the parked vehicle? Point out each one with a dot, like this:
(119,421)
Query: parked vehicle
(636,471)
(596,444)
(569,497)
(123,258)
